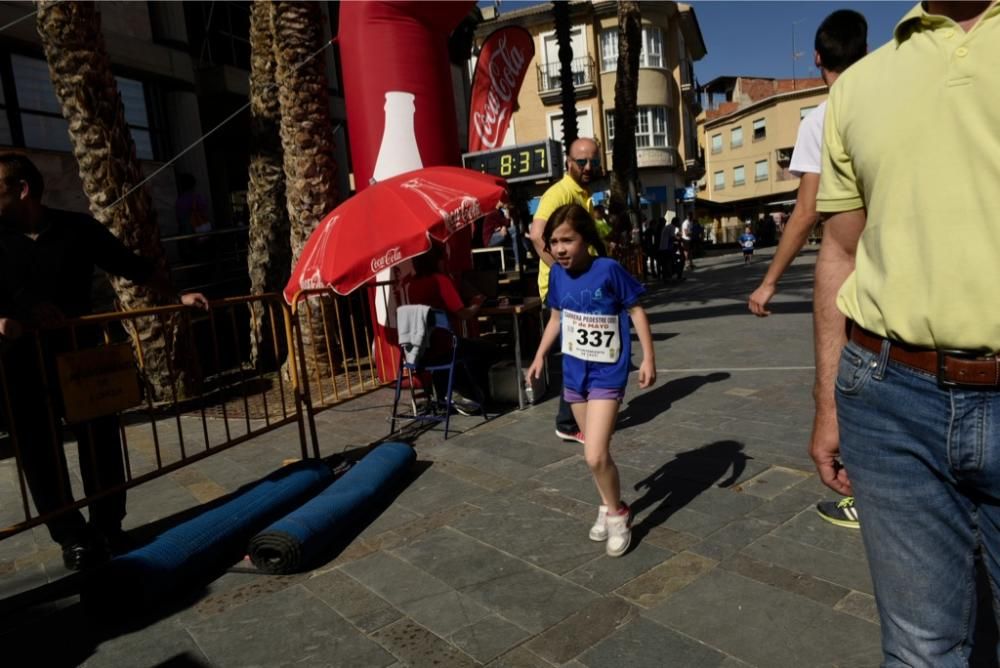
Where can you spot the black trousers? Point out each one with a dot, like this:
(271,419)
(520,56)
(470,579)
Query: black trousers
(565,422)
(38,431)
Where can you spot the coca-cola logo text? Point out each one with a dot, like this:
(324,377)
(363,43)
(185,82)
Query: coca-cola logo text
(505,69)
(391,257)
(466,212)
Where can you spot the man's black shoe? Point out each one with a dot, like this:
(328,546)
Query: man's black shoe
(85,554)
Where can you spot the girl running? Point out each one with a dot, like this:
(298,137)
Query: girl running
(591,300)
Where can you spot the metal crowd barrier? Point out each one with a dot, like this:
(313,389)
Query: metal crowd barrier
(339,356)
(304,359)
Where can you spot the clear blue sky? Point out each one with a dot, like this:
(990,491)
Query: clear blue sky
(755,38)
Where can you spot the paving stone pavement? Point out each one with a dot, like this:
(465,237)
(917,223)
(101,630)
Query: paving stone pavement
(483,558)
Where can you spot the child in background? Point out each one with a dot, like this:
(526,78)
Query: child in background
(592,299)
(747,242)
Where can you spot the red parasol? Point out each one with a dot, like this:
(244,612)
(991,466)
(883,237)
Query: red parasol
(389,222)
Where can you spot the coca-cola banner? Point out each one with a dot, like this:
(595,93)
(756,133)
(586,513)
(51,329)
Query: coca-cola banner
(502,63)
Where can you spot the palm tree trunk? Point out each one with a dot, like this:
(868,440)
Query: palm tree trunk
(625,173)
(560,8)
(105,152)
(306,138)
(269,252)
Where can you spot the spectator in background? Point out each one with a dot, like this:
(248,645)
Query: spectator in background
(670,255)
(747,243)
(431,286)
(841,40)
(687,229)
(47,260)
(495,229)
(603,226)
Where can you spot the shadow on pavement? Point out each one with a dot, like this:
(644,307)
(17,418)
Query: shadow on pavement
(731,282)
(29,622)
(648,405)
(182,660)
(735,308)
(682,479)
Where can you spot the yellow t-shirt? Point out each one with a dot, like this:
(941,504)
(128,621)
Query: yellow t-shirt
(912,136)
(562,192)
(603,229)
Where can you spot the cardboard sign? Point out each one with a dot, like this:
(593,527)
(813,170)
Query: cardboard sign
(98,381)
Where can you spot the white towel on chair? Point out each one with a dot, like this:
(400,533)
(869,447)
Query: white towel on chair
(414,330)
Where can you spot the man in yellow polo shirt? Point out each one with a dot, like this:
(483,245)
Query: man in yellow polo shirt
(582,166)
(906,320)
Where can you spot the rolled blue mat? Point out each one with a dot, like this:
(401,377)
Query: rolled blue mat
(200,547)
(298,539)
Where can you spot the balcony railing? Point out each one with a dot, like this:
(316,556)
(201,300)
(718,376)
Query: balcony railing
(550,77)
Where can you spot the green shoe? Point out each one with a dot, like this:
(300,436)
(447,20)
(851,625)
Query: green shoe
(842,513)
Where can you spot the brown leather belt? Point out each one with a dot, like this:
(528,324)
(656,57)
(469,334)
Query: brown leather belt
(953,368)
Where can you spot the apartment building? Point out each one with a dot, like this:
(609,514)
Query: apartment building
(668,103)
(748,140)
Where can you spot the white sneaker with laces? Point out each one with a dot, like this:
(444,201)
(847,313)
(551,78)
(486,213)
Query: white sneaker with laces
(619,533)
(599,532)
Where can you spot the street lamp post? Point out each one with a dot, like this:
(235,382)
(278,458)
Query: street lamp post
(795,54)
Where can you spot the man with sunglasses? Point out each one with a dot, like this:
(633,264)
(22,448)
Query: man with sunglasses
(582,167)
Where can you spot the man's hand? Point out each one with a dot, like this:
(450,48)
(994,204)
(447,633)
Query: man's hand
(825,451)
(759,299)
(195,300)
(9,329)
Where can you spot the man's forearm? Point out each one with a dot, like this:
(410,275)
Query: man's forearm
(535,233)
(797,229)
(828,326)
(834,265)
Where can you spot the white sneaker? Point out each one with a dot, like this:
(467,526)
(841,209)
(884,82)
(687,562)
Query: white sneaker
(599,532)
(619,533)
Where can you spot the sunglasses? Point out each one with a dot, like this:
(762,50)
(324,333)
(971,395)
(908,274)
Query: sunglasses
(595,163)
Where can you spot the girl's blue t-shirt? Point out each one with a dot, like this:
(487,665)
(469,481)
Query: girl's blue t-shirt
(603,289)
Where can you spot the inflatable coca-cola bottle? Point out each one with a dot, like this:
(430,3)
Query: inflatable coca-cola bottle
(394,56)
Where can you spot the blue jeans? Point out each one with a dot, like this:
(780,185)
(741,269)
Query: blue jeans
(924,463)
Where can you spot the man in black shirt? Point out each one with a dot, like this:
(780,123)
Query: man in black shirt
(47,260)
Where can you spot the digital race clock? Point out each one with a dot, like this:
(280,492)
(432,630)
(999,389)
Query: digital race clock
(527,162)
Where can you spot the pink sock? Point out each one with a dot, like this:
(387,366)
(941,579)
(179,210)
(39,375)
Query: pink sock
(622,509)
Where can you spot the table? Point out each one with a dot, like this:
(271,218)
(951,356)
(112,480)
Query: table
(515,311)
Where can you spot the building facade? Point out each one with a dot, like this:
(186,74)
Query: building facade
(747,142)
(666,131)
(183,73)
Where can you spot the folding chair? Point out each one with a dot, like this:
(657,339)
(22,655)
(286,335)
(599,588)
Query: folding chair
(438,321)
